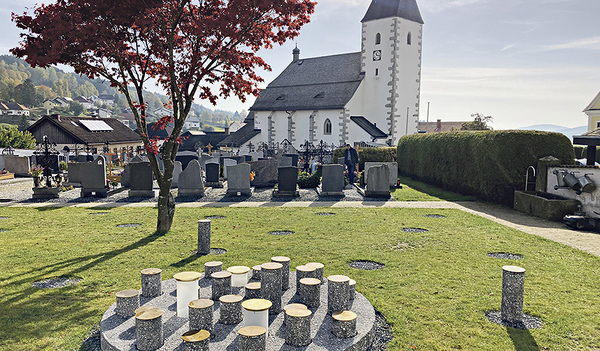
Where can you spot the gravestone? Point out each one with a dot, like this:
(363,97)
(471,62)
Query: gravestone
(226,163)
(392,166)
(190,181)
(238,183)
(285,161)
(248,158)
(256,155)
(378,180)
(93,180)
(340,160)
(141,180)
(185,157)
(287,181)
(19,165)
(294,158)
(178,167)
(332,181)
(203,159)
(126,175)
(212,175)
(76,173)
(265,173)
(239,159)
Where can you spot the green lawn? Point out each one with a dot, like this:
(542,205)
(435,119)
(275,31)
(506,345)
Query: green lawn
(434,289)
(414,190)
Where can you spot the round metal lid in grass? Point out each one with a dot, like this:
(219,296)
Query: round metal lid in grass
(366,265)
(214,217)
(4,217)
(505,255)
(325,214)
(281,232)
(414,230)
(58,282)
(217,251)
(3,230)
(435,216)
(128,225)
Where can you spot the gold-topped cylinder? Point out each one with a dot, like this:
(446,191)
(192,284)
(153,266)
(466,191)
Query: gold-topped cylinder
(187,291)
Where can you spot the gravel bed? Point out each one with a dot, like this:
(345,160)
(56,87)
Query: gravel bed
(382,333)
(217,251)
(505,255)
(92,340)
(128,225)
(4,217)
(435,216)
(281,232)
(529,322)
(54,283)
(366,265)
(325,214)
(414,230)
(215,217)
(3,230)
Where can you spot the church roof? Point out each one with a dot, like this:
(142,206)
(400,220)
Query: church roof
(407,9)
(318,83)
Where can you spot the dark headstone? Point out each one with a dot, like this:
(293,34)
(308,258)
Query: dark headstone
(141,180)
(212,175)
(294,158)
(287,181)
(265,173)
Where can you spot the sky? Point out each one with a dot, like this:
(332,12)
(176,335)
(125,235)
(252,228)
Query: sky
(523,62)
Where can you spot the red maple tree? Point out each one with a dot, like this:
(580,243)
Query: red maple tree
(187,46)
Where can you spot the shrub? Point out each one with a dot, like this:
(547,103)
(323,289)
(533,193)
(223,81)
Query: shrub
(487,164)
(369,154)
(306,180)
(11,136)
(63,166)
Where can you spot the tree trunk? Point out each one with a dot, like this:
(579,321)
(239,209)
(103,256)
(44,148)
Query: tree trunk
(166,208)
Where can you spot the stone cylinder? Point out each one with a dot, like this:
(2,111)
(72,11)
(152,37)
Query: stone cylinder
(270,285)
(351,289)
(212,267)
(513,286)
(151,282)
(337,293)
(148,328)
(196,340)
(203,237)
(297,329)
(221,284)
(256,312)
(187,291)
(231,309)
(253,290)
(256,272)
(285,271)
(319,270)
(127,302)
(344,324)
(292,306)
(239,275)
(304,271)
(310,292)
(201,315)
(252,338)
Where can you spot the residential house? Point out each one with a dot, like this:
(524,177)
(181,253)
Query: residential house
(593,112)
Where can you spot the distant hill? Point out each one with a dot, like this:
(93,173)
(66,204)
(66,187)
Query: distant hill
(569,132)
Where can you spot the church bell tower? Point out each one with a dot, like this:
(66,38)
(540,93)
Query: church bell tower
(391,62)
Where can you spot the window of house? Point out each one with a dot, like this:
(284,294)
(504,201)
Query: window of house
(327,127)
(377,39)
(409,39)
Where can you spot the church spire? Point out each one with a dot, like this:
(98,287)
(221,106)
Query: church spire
(407,9)
(296,54)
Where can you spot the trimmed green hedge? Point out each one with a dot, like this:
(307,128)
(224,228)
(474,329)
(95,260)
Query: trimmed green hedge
(486,164)
(369,154)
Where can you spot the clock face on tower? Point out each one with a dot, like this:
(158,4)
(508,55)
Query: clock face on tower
(377,55)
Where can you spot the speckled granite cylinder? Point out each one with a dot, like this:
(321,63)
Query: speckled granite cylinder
(231,309)
(351,289)
(253,290)
(270,285)
(221,284)
(344,324)
(196,340)
(203,237)
(252,338)
(151,282)
(319,270)
(127,302)
(309,291)
(304,272)
(212,267)
(513,285)
(285,271)
(297,329)
(148,328)
(201,315)
(337,293)
(256,272)
(292,306)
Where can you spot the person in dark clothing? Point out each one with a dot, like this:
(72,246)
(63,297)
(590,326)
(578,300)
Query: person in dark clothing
(351,161)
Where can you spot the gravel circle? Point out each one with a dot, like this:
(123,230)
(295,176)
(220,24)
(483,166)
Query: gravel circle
(3,230)
(217,251)
(414,230)
(325,214)
(366,265)
(281,232)
(382,333)
(505,255)
(92,340)
(435,216)
(4,217)
(128,225)
(529,322)
(214,217)
(54,283)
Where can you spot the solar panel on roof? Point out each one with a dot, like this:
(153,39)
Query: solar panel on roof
(96,126)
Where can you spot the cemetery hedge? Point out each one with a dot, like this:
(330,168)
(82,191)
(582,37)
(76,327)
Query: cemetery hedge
(490,165)
(370,154)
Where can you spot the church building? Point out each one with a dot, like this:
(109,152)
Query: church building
(370,96)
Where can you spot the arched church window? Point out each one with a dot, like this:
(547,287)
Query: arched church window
(377,39)
(327,127)
(409,39)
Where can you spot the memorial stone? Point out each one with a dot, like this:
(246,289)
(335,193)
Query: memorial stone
(226,163)
(287,181)
(141,180)
(265,173)
(285,161)
(203,159)
(212,175)
(378,182)
(177,169)
(93,178)
(190,181)
(238,183)
(18,165)
(294,158)
(332,181)
(392,166)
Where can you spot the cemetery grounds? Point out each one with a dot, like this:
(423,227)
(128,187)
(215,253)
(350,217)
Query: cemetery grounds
(434,290)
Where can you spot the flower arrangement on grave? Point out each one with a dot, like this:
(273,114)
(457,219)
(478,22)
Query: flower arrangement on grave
(4,172)
(36,171)
(252,175)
